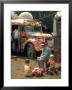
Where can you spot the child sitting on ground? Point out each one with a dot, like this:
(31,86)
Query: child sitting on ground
(27,69)
(51,65)
(30,71)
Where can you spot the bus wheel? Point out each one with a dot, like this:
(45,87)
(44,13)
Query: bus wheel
(31,53)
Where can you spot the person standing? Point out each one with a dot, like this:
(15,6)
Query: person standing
(16,35)
(42,60)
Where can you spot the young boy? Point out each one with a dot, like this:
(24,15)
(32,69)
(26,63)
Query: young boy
(27,69)
(51,64)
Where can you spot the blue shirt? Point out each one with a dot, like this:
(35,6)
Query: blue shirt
(46,52)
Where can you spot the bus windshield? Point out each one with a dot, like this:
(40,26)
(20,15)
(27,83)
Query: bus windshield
(32,29)
(28,28)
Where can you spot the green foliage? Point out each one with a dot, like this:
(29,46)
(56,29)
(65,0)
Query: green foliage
(36,27)
(45,16)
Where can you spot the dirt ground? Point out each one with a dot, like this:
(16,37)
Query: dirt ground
(17,70)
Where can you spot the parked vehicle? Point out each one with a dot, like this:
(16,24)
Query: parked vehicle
(31,36)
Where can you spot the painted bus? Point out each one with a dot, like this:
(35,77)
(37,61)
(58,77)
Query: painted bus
(31,36)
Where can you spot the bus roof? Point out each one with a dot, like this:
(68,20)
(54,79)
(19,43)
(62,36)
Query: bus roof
(26,22)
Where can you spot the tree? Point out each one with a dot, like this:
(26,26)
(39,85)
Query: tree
(45,16)
(14,15)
